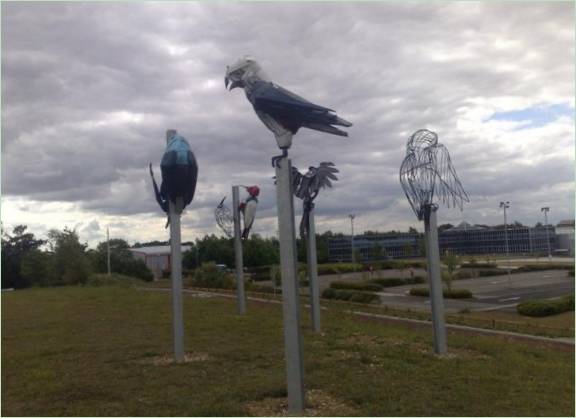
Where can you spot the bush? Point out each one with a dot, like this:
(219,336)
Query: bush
(337,268)
(397,281)
(488,273)
(210,276)
(466,274)
(349,295)
(115,279)
(449,294)
(371,287)
(539,308)
(545,266)
(478,266)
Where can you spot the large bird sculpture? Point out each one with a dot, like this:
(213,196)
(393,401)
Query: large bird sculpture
(307,186)
(427,174)
(281,111)
(179,174)
(224,218)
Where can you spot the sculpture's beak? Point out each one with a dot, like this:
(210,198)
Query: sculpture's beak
(231,84)
(222,202)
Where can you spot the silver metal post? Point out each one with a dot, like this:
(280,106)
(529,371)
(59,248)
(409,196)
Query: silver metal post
(176,267)
(352,216)
(506,205)
(108,250)
(240,294)
(435,281)
(291,311)
(545,210)
(313,274)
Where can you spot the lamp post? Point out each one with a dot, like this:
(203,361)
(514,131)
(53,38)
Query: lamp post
(352,216)
(108,249)
(506,205)
(546,210)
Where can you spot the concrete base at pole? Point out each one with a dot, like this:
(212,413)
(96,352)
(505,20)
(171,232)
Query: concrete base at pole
(313,274)
(290,299)
(240,294)
(435,280)
(176,268)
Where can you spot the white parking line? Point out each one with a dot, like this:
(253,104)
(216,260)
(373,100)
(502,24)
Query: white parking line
(504,300)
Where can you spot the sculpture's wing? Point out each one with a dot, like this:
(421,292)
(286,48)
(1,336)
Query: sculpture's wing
(325,174)
(447,186)
(410,180)
(264,95)
(224,218)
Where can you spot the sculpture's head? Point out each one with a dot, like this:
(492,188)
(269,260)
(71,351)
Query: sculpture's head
(237,73)
(420,139)
(253,191)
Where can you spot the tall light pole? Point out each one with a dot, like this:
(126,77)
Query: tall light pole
(108,249)
(546,210)
(506,205)
(352,216)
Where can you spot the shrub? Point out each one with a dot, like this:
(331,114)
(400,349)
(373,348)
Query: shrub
(478,266)
(337,268)
(209,276)
(545,266)
(487,273)
(115,279)
(371,287)
(449,294)
(349,295)
(398,281)
(539,308)
(466,274)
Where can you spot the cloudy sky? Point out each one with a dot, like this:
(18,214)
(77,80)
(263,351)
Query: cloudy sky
(89,89)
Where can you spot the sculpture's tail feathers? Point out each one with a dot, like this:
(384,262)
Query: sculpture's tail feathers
(342,122)
(326,128)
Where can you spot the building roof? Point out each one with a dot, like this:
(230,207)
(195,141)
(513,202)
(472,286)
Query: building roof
(567,222)
(465,226)
(157,250)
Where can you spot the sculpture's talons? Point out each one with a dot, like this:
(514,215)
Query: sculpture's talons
(279,157)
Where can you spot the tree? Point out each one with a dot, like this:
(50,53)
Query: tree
(122,260)
(451,261)
(376,252)
(412,230)
(14,248)
(70,263)
(35,267)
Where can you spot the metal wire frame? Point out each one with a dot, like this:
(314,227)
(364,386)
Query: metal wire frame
(427,174)
(224,218)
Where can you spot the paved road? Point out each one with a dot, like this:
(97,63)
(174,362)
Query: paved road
(492,293)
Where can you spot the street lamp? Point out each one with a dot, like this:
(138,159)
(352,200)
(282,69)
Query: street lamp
(352,216)
(546,210)
(506,205)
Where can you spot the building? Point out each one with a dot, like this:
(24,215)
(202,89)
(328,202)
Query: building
(464,239)
(157,258)
(565,238)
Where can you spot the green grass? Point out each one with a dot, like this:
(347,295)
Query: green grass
(86,351)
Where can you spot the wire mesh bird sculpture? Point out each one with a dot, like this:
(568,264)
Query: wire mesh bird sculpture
(307,186)
(248,209)
(427,174)
(179,174)
(280,110)
(224,218)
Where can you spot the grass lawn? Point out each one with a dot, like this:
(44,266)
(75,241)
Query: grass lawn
(100,351)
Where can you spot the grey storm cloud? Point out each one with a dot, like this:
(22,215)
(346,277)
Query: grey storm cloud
(89,89)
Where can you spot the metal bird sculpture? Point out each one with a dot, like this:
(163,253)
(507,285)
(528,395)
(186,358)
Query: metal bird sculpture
(248,209)
(281,111)
(179,175)
(224,218)
(307,186)
(427,174)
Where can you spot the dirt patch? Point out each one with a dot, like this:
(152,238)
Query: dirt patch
(318,404)
(167,359)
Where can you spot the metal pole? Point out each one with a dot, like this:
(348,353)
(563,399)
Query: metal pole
(435,281)
(176,267)
(352,216)
(545,210)
(290,302)
(241,297)
(313,274)
(174,211)
(506,205)
(108,250)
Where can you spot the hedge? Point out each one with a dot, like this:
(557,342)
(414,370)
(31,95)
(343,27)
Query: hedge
(539,308)
(371,287)
(397,281)
(478,266)
(337,268)
(349,295)
(545,266)
(450,294)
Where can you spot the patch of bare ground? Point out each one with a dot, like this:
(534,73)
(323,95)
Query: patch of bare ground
(318,404)
(168,359)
